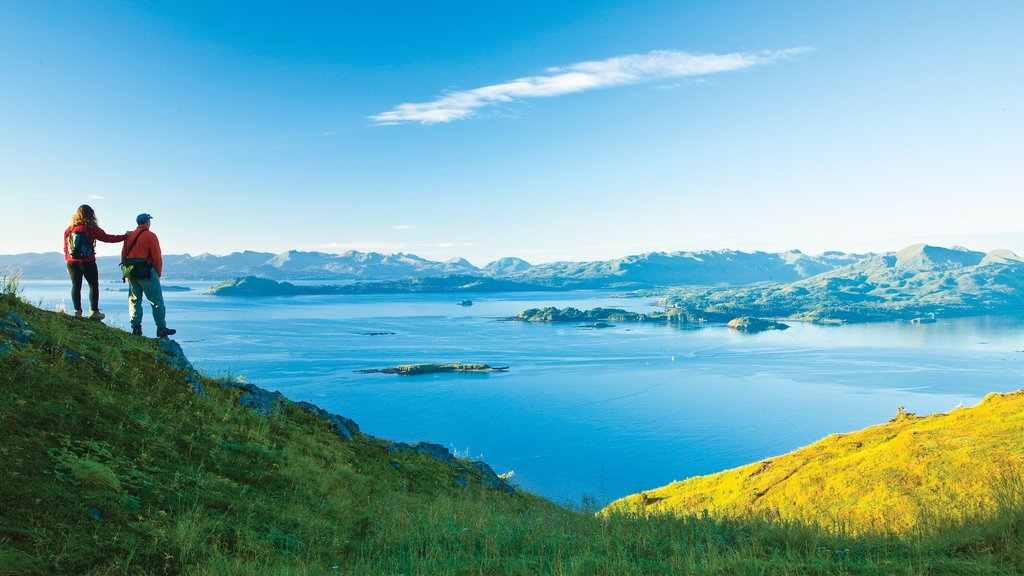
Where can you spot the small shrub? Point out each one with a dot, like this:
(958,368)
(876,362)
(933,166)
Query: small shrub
(10,283)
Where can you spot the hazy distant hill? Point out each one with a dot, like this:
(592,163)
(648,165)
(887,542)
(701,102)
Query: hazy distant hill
(723,267)
(705,267)
(249,286)
(915,282)
(294,265)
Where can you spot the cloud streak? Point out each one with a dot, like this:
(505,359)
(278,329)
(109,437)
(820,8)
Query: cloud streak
(580,77)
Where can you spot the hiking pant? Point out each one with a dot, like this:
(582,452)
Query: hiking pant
(150,288)
(89,271)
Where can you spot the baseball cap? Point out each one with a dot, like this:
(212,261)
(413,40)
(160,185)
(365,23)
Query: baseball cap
(143,218)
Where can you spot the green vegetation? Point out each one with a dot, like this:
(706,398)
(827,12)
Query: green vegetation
(115,462)
(670,316)
(915,283)
(748,324)
(941,470)
(10,283)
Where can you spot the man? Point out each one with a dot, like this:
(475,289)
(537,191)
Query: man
(143,244)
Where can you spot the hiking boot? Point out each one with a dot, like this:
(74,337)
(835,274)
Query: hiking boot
(78,313)
(96,315)
(161,332)
(136,330)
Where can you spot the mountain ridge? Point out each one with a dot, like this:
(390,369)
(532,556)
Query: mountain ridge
(648,269)
(918,281)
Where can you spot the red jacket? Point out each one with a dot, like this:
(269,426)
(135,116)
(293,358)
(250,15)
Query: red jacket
(94,233)
(147,247)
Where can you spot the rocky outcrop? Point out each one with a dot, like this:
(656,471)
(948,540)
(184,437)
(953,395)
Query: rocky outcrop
(262,401)
(477,469)
(18,328)
(270,404)
(175,357)
(340,425)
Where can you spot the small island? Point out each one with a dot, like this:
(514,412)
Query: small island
(418,369)
(673,315)
(750,324)
(168,288)
(596,325)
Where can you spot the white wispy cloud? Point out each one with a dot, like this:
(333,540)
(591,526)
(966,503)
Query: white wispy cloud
(403,227)
(617,71)
(97,197)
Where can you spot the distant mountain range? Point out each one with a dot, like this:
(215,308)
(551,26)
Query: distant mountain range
(654,269)
(916,283)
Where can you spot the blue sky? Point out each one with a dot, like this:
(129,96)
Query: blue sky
(543,130)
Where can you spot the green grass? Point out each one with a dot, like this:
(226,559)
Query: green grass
(111,464)
(896,476)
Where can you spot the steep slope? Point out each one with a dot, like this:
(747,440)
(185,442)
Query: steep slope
(119,457)
(897,476)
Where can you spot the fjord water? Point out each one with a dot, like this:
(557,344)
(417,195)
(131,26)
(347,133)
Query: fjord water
(583,412)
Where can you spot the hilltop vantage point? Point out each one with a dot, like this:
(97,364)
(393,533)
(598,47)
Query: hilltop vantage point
(120,457)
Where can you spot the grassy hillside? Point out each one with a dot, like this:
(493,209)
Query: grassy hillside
(898,476)
(116,458)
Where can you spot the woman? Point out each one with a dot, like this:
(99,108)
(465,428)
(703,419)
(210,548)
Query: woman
(80,254)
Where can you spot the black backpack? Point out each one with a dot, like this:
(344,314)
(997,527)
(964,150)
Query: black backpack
(79,245)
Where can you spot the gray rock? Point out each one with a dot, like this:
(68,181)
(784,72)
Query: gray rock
(489,479)
(340,425)
(175,356)
(18,328)
(264,402)
(478,468)
(435,451)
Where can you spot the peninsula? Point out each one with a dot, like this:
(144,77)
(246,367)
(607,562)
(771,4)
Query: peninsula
(595,315)
(420,369)
(254,286)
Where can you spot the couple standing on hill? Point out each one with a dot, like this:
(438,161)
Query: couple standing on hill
(141,262)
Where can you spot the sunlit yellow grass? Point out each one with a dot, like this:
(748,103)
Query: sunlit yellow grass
(897,476)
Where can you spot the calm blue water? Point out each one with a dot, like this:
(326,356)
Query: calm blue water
(584,412)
